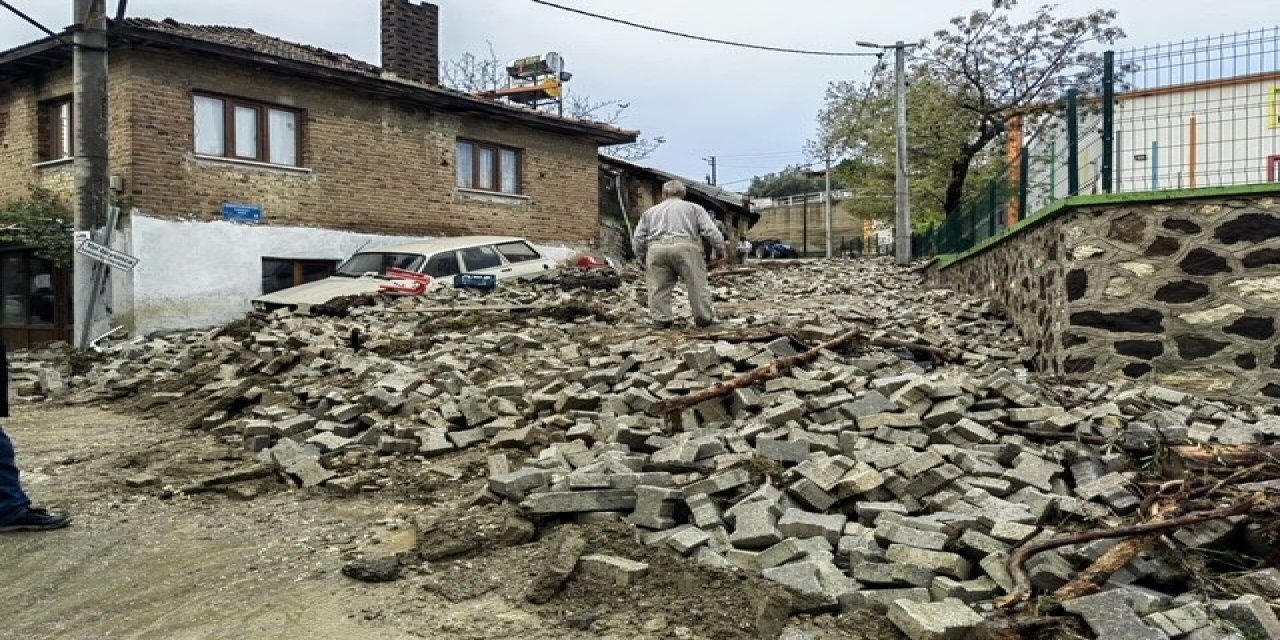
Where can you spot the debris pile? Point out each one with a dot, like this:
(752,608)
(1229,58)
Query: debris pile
(917,470)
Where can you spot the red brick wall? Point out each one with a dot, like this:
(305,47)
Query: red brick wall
(372,164)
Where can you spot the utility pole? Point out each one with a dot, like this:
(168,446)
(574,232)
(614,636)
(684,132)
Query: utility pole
(826,200)
(902,227)
(712,161)
(902,219)
(89,106)
(804,206)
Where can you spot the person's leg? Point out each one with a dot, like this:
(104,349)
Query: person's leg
(660,276)
(694,273)
(13,502)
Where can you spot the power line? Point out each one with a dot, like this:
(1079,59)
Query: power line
(764,156)
(29,19)
(705,38)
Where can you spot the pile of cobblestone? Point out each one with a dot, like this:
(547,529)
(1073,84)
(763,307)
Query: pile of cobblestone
(876,478)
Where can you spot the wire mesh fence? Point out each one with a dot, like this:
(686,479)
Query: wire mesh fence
(1184,115)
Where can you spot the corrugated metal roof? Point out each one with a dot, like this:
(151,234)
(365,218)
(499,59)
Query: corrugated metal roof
(709,191)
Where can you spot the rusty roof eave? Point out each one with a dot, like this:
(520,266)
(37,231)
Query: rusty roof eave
(40,55)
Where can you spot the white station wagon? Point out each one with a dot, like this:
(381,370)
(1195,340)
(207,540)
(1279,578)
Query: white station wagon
(442,259)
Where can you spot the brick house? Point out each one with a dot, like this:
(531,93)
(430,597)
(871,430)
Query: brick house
(334,152)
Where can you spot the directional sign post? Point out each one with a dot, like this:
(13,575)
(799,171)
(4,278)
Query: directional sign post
(106,255)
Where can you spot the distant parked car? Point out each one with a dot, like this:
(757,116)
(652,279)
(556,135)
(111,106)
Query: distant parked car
(374,270)
(775,249)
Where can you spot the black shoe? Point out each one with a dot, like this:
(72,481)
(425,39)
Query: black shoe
(663,325)
(37,520)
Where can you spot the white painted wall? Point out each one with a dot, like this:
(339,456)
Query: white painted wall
(201,274)
(1235,133)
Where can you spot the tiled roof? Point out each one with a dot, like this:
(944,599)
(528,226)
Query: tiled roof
(251,40)
(248,40)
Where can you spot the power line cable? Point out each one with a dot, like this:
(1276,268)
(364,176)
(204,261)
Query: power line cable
(705,38)
(764,153)
(18,12)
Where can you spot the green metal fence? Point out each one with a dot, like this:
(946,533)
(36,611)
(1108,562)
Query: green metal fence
(1198,113)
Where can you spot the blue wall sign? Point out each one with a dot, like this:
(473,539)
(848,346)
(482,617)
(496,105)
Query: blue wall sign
(251,213)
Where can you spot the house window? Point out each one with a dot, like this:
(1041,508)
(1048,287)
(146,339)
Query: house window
(282,273)
(489,167)
(245,130)
(55,130)
(27,286)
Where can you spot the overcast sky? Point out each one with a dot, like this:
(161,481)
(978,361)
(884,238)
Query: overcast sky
(753,109)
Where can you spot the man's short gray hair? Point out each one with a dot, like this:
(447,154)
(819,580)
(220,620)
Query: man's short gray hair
(673,189)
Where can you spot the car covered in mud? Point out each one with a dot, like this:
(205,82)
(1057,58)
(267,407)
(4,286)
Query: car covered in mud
(416,267)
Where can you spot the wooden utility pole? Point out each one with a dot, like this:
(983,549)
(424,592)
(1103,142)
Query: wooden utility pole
(89,106)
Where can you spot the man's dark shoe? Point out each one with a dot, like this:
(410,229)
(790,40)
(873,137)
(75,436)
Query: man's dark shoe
(37,520)
(663,325)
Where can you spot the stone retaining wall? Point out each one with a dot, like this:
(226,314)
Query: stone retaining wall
(1183,292)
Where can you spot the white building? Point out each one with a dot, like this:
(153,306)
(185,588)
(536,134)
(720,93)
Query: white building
(1202,134)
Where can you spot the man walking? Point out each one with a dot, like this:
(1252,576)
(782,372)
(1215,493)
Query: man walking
(668,241)
(16,512)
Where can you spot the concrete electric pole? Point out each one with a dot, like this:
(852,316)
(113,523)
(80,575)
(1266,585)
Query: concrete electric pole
(902,219)
(902,226)
(826,201)
(712,161)
(89,107)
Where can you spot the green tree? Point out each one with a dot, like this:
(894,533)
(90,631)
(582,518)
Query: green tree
(40,220)
(792,180)
(965,84)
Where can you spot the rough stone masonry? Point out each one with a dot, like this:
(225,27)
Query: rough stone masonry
(1178,292)
(870,479)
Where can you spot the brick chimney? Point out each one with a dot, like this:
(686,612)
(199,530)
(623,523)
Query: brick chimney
(411,40)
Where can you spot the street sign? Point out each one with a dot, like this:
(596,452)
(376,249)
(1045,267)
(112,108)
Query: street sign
(78,236)
(106,255)
(250,213)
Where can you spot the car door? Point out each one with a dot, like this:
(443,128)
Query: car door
(443,266)
(484,259)
(523,261)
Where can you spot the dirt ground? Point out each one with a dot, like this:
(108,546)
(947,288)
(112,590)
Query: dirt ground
(265,561)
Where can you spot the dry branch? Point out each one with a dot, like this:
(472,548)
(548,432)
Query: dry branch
(672,406)
(215,482)
(466,308)
(1018,561)
(767,335)
(1228,455)
(1116,558)
(1048,435)
(934,353)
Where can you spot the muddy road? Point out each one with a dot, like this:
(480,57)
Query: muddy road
(264,561)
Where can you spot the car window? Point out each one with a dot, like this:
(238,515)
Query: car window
(517,252)
(477,258)
(443,265)
(362,263)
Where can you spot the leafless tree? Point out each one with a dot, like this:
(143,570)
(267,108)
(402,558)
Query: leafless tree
(471,73)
